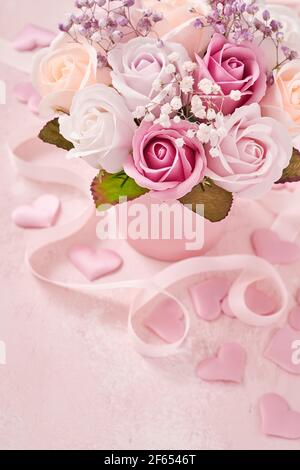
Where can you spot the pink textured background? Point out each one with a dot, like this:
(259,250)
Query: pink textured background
(72,379)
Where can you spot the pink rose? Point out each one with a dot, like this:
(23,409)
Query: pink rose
(137,64)
(252,155)
(166,161)
(233,67)
(64,68)
(282,101)
(178,23)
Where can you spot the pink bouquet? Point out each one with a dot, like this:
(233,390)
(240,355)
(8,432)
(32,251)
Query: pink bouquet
(196,101)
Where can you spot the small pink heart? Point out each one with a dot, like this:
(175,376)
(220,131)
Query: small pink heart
(227,366)
(294,318)
(277,418)
(33,37)
(167,321)
(25,93)
(94,264)
(281,349)
(207,297)
(256,300)
(42,213)
(268,245)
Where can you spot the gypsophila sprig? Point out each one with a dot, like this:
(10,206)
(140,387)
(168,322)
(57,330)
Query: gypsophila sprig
(104,23)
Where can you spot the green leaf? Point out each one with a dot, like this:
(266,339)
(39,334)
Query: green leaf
(291,174)
(50,134)
(217,202)
(108,188)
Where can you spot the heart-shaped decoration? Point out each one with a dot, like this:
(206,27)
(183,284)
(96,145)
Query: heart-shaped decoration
(268,245)
(284,349)
(207,297)
(294,318)
(227,366)
(94,264)
(25,93)
(277,418)
(167,321)
(259,302)
(33,37)
(42,213)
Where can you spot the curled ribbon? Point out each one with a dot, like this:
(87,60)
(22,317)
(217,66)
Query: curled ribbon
(29,156)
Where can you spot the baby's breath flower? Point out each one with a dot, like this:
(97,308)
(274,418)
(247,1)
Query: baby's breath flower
(139,112)
(186,84)
(206,86)
(179,142)
(176,103)
(235,95)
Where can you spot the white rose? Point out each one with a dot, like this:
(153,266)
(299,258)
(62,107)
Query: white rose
(100,127)
(138,66)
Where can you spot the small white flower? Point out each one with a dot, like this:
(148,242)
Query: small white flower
(170,69)
(139,112)
(216,88)
(214,152)
(222,132)
(203,133)
(200,113)
(177,119)
(211,114)
(179,142)
(190,133)
(166,109)
(235,95)
(176,103)
(189,66)
(164,121)
(149,117)
(206,86)
(157,85)
(186,84)
(173,57)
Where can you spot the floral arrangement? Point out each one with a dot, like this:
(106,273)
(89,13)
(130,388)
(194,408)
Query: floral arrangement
(196,101)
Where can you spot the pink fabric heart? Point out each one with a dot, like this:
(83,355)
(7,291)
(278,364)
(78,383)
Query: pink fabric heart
(294,318)
(207,297)
(33,37)
(256,300)
(26,93)
(277,418)
(42,213)
(269,246)
(282,349)
(94,264)
(227,366)
(167,321)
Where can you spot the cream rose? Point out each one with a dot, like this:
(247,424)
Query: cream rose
(282,100)
(62,69)
(100,127)
(178,23)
